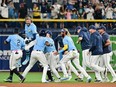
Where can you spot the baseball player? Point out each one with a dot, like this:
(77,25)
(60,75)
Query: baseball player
(107,51)
(49,74)
(95,51)
(38,55)
(51,54)
(16,45)
(71,54)
(30,34)
(84,39)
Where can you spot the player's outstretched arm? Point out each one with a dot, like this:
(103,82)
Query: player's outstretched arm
(5,42)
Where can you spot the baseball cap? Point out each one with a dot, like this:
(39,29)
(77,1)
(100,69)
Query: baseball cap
(42,33)
(92,27)
(49,32)
(102,27)
(79,27)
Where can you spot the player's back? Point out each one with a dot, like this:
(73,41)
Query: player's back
(96,39)
(16,42)
(85,43)
(68,40)
(40,43)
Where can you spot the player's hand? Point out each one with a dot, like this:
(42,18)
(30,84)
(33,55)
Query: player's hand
(65,52)
(60,48)
(27,41)
(55,53)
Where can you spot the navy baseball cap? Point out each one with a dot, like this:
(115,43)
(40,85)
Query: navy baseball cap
(79,27)
(102,27)
(49,32)
(92,27)
(42,33)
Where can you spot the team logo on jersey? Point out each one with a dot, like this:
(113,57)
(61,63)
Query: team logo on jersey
(29,30)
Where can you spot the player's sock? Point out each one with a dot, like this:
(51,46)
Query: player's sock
(49,75)
(27,58)
(17,73)
(11,74)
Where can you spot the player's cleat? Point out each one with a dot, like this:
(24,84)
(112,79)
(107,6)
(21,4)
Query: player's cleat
(58,80)
(64,78)
(98,81)
(8,80)
(50,80)
(27,58)
(22,80)
(45,81)
(114,80)
(89,79)
(79,79)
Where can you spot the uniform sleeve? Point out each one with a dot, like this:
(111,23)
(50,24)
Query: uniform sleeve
(106,37)
(65,42)
(34,29)
(8,39)
(81,34)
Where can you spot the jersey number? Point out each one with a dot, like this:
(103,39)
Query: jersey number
(18,42)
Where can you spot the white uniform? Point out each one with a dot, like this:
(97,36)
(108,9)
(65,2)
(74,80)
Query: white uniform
(16,44)
(38,55)
(71,55)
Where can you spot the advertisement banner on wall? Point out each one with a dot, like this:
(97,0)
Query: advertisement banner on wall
(4,54)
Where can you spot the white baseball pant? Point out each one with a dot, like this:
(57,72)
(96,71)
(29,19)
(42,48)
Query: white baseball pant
(37,56)
(94,61)
(52,63)
(15,56)
(106,58)
(85,60)
(74,56)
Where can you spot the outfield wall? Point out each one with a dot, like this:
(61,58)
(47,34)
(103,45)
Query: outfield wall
(5,54)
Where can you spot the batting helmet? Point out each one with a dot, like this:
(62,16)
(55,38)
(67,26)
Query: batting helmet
(42,33)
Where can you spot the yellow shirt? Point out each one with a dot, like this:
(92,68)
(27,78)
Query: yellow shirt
(36,12)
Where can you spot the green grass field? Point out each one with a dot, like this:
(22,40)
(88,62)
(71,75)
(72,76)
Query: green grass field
(35,77)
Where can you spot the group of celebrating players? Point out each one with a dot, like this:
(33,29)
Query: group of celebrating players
(96,53)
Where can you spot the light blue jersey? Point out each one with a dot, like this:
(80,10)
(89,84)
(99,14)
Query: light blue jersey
(16,42)
(68,41)
(30,30)
(40,43)
(51,47)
